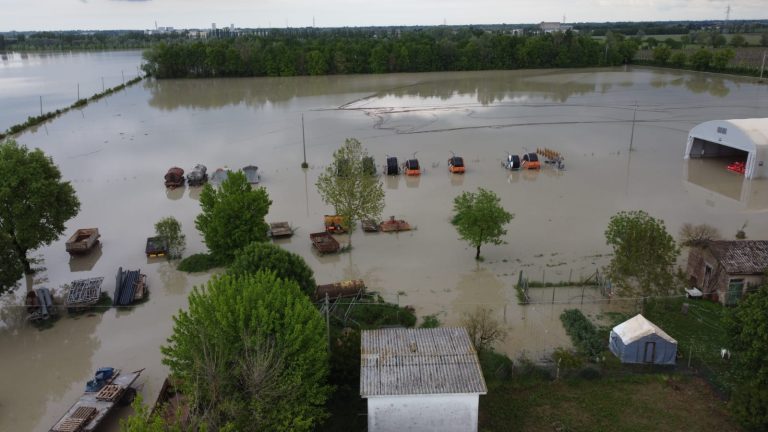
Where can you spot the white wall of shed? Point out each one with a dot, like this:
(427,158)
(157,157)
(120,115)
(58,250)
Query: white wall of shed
(757,159)
(423,413)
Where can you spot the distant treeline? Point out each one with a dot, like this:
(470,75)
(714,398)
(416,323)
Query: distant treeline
(672,27)
(420,51)
(102,40)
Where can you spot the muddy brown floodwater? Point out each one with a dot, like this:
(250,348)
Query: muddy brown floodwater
(117,150)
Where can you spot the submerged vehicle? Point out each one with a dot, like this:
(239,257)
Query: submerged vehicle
(219,176)
(334,224)
(392,167)
(394,225)
(174,178)
(198,176)
(531,161)
(456,164)
(252,174)
(512,162)
(412,167)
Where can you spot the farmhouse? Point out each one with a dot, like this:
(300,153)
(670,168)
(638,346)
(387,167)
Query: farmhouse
(741,143)
(725,269)
(420,380)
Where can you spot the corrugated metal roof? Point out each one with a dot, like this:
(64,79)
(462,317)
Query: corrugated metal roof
(741,256)
(400,361)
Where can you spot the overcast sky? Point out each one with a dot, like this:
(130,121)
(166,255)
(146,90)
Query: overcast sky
(142,14)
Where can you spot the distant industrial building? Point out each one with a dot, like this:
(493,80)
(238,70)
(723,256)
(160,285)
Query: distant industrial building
(420,380)
(554,27)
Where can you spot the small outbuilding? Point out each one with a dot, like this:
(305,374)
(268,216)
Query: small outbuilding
(638,340)
(725,270)
(420,380)
(740,141)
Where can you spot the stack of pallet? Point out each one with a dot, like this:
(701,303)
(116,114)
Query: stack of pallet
(131,285)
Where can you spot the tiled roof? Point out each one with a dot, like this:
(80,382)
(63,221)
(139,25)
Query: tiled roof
(400,361)
(741,256)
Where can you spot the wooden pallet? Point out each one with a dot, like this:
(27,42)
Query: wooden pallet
(84,412)
(71,424)
(110,393)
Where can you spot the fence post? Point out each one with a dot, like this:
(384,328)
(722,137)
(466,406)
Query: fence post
(690,354)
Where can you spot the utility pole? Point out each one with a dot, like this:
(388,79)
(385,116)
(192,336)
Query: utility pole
(103,89)
(41,106)
(78,91)
(123,74)
(762,67)
(328,321)
(303,143)
(632,134)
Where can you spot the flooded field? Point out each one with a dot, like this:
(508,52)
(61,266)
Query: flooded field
(51,79)
(117,150)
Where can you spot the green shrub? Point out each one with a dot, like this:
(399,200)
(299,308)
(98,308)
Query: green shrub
(377,314)
(199,263)
(430,321)
(495,366)
(583,333)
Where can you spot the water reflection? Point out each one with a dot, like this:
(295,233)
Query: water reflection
(175,194)
(194,192)
(711,177)
(413,181)
(482,87)
(392,181)
(457,179)
(85,262)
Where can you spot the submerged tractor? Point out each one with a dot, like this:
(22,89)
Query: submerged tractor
(456,164)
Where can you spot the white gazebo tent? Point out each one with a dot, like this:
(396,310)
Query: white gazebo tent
(741,139)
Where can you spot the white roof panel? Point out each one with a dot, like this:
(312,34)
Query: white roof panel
(637,328)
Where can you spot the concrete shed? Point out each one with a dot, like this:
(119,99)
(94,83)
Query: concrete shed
(739,140)
(420,380)
(638,340)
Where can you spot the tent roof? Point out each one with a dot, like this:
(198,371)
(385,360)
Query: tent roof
(637,328)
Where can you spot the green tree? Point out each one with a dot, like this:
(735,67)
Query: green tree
(747,327)
(270,257)
(169,229)
(349,188)
(738,41)
(644,254)
(479,218)
(251,353)
(721,58)
(764,39)
(661,54)
(232,217)
(34,203)
(701,59)
(678,59)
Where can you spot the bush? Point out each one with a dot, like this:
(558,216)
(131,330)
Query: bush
(199,263)
(583,333)
(678,59)
(374,315)
(430,321)
(495,366)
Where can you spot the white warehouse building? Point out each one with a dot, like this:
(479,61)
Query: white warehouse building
(420,380)
(738,140)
